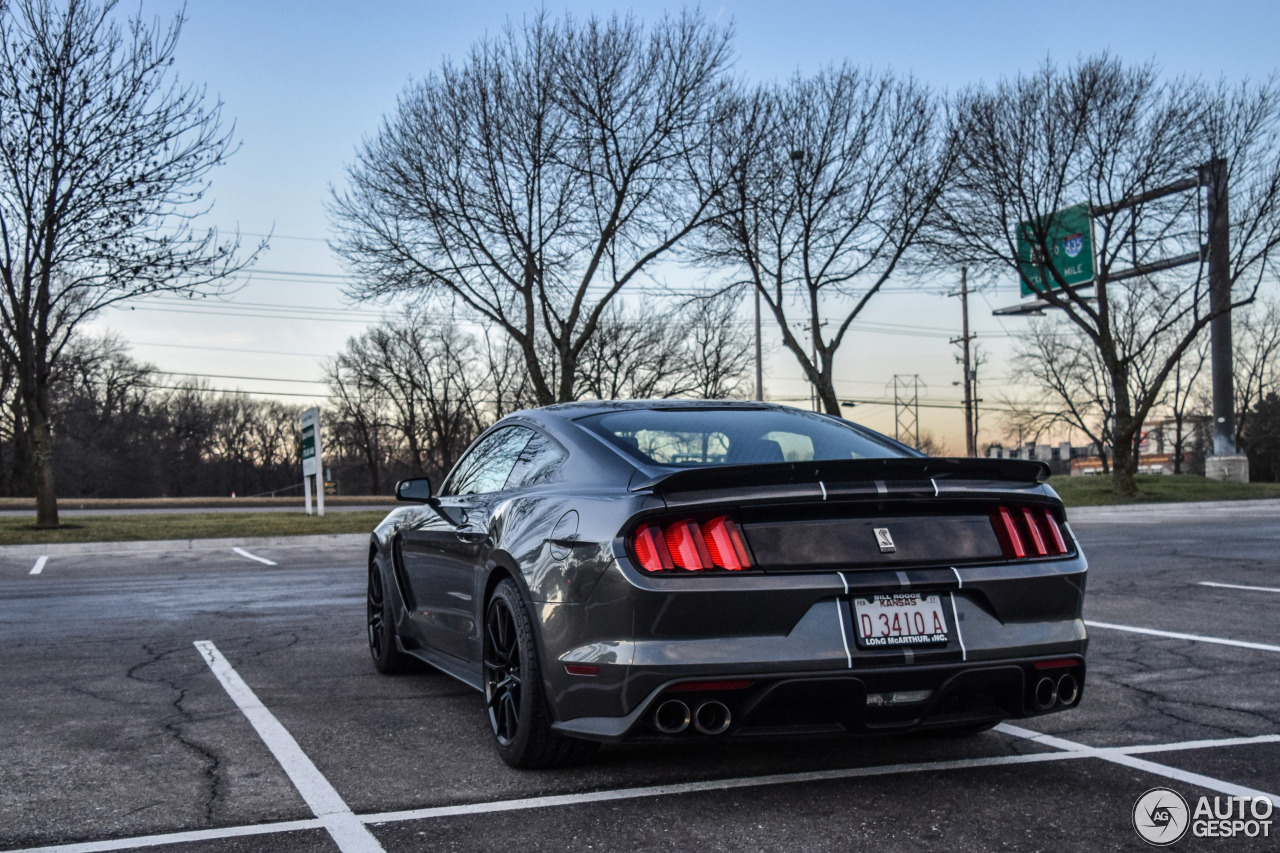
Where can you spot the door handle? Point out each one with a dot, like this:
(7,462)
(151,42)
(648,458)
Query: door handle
(468,533)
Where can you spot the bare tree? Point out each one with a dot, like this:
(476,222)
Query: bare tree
(833,178)
(532,183)
(104,161)
(1063,384)
(359,424)
(696,349)
(1184,394)
(1256,341)
(1103,133)
(717,351)
(633,355)
(427,376)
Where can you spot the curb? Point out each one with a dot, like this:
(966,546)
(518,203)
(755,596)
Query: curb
(327,540)
(1188,510)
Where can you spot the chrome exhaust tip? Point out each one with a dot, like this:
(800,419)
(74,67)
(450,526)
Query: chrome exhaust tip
(1068,690)
(712,718)
(1046,694)
(672,717)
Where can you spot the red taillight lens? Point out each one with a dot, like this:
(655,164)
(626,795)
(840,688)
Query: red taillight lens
(1027,532)
(650,548)
(684,541)
(693,686)
(724,544)
(1037,541)
(1055,533)
(1060,663)
(1007,533)
(691,545)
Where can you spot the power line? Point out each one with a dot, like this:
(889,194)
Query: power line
(231,349)
(245,378)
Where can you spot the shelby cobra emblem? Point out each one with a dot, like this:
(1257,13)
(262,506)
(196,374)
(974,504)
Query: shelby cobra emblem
(884,540)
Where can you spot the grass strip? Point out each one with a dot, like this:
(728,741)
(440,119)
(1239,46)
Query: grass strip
(1158,488)
(188,525)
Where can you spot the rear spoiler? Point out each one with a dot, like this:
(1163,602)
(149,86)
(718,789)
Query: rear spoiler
(846,470)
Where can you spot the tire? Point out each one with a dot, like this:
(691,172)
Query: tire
(514,699)
(387,657)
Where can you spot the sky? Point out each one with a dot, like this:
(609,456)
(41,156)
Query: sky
(304,82)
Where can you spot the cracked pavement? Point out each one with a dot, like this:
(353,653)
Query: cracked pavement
(112,726)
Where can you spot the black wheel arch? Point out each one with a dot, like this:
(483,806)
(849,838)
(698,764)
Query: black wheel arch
(498,568)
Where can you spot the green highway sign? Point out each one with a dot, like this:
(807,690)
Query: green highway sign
(1068,238)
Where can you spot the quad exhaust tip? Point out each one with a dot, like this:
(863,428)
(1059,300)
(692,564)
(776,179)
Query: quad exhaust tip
(1046,694)
(1061,693)
(1068,690)
(672,717)
(712,718)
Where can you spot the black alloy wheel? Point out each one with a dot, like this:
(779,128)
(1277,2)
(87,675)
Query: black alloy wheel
(387,658)
(513,693)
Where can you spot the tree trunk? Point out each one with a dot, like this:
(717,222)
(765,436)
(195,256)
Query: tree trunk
(830,402)
(1123,453)
(42,453)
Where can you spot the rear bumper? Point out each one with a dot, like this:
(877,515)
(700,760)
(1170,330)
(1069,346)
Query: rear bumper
(792,636)
(861,703)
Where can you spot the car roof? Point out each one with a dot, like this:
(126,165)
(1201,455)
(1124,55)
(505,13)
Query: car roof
(586,408)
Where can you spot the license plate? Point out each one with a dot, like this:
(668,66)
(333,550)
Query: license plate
(899,619)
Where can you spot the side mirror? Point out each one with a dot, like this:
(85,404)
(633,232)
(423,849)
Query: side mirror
(414,490)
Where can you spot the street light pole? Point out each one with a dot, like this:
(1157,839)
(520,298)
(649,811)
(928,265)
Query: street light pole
(759,353)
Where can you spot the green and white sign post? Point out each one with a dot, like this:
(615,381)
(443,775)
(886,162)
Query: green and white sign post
(1067,248)
(312,451)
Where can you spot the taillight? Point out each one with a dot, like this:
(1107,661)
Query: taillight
(1025,532)
(691,545)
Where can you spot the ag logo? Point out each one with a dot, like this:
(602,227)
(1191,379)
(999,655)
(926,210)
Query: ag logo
(1073,244)
(1161,817)
(884,540)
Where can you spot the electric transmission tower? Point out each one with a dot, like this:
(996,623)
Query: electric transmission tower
(906,409)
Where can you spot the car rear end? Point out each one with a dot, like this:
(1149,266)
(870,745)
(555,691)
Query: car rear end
(856,596)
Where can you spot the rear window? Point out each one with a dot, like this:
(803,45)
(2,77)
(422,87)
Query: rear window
(691,438)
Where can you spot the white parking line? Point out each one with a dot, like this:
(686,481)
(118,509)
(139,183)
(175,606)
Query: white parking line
(39,566)
(243,553)
(1241,586)
(1069,751)
(715,785)
(1123,758)
(347,831)
(1174,635)
(176,837)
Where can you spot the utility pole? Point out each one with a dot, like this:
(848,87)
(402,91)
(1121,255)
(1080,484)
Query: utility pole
(970,432)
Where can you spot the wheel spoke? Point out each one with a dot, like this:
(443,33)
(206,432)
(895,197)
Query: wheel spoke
(509,714)
(502,667)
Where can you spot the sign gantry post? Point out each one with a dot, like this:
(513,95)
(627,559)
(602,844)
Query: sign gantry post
(312,454)
(1067,235)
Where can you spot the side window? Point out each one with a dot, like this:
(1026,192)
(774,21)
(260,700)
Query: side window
(486,466)
(538,462)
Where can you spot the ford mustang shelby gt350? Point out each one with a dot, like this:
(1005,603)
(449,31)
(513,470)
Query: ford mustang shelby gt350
(612,571)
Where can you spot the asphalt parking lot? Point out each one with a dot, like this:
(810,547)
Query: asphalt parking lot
(223,700)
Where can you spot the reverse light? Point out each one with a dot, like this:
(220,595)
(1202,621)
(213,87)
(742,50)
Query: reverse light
(691,545)
(1026,532)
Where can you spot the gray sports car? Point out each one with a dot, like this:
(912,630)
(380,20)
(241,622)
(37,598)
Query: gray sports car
(612,571)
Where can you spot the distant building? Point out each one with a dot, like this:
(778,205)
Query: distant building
(1155,453)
